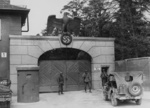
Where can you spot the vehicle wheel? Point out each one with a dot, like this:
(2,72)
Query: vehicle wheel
(106,97)
(114,100)
(138,101)
(135,89)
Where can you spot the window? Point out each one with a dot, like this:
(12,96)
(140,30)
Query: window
(128,77)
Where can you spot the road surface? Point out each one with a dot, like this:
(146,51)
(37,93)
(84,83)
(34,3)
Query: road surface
(78,99)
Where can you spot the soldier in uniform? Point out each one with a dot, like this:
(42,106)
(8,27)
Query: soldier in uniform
(87,80)
(104,77)
(60,83)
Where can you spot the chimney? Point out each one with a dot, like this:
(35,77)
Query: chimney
(4,2)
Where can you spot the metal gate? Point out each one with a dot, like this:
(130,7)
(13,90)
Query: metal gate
(72,71)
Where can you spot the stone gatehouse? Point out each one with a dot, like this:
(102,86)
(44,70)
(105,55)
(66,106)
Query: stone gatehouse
(30,50)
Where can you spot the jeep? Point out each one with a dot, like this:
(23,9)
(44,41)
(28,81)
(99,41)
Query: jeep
(124,86)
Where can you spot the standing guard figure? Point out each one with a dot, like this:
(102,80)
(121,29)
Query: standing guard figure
(60,83)
(104,77)
(87,80)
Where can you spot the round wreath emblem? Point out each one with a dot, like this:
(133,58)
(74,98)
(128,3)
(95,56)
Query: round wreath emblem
(66,39)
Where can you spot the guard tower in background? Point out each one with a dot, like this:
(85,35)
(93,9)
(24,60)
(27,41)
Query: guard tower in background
(12,19)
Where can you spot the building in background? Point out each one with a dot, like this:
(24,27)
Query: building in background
(12,18)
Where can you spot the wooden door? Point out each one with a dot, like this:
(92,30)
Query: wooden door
(72,71)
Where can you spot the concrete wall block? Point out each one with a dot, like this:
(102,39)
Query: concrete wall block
(27,42)
(96,84)
(99,59)
(13,69)
(77,44)
(18,49)
(100,43)
(107,50)
(13,78)
(36,42)
(87,45)
(96,75)
(96,67)
(34,51)
(15,42)
(29,60)
(110,44)
(44,45)
(54,44)
(94,51)
(15,59)
(14,89)
(110,58)
(64,46)
(69,46)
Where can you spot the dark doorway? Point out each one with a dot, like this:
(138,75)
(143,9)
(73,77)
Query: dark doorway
(105,68)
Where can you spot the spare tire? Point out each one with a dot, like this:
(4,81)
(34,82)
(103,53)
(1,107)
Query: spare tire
(135,89)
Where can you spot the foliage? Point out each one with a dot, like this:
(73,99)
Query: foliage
(75,7)
(95,15)
(122,19)
(131,39)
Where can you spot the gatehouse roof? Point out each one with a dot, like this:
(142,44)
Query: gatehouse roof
(6,7)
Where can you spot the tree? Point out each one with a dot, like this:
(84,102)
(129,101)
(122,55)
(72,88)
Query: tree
(95,15)
(122,19)
(75,7)
(131,41)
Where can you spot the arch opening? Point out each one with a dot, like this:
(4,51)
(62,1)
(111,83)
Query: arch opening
(71,62)
(65,54)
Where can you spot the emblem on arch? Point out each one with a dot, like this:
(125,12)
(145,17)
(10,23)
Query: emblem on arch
(66,38)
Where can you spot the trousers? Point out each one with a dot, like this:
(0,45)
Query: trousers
(87,84)
(60,88)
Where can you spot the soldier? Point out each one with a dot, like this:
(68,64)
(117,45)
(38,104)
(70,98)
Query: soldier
(87,80)
(60,83)
(104,77)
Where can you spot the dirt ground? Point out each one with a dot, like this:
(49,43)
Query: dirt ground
(78,99)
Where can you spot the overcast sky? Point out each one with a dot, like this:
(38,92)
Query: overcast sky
(39,11)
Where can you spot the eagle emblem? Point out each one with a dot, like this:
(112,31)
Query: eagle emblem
(57,26)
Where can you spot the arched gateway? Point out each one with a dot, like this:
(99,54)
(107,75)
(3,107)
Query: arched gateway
(72,62)
(52,56)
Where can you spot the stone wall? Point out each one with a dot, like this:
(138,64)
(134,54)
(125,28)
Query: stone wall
(25,51)
(10,24)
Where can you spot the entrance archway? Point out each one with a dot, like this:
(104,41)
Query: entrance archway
(72,62)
